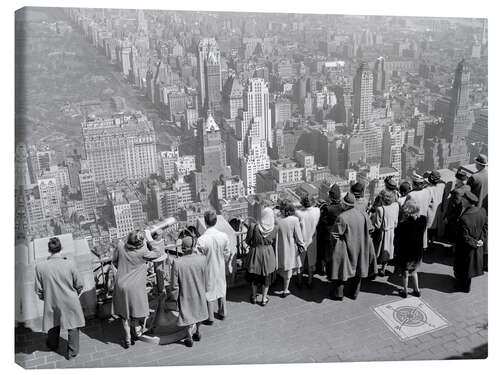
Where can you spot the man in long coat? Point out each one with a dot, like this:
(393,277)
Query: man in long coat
(188,288)
(58,284)
(214,244)
(358,190)
(454,207)
(353,256)
(479,181)
(328,216)
(472,233)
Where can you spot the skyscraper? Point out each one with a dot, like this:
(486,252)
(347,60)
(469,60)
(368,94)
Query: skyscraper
(458,121)
(120,147)
(255,160)
(49,197)
(256,102)
(88,189)
(211,156)
(379,76)
(232,97)
(209,75)
(363,93)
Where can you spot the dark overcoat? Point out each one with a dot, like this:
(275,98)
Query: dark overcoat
(479,185)
(472,227)
(353,253)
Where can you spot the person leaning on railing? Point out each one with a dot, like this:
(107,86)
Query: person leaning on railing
(130,300)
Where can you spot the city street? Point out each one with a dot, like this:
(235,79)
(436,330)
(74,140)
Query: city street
(305,327)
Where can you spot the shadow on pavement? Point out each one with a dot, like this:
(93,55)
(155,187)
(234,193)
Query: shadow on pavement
(436,281)
(105,331)
(37,337)
(378,287)
(438,254)
(479,352)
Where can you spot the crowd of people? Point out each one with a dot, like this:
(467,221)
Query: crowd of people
(346,240)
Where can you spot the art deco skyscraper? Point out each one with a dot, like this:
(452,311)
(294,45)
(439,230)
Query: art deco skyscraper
(459,118)
(256,102)
(363,93)
(209,75)
(211,157)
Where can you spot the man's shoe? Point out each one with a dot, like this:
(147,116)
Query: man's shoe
(197,336)
(208,322)
(417,293)
(220,316)
(188,343)
(70,357)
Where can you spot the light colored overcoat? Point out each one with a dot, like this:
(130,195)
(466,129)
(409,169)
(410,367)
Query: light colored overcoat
(214,244)
(130,299)
(309,218)
(289,236)
(58,284)
(188,288)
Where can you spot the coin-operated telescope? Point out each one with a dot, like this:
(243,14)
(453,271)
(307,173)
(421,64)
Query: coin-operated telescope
(169,221)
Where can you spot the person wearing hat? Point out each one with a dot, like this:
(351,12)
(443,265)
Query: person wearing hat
(358,190)
(436,187)
(423,199)
(479,181)
(385,220)
(130,298)
(391,188)
(454,206)
(328,216)
(188,288)
(472,233)
(353,255)
(58,284)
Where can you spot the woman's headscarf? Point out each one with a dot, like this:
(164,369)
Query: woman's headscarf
(266,222)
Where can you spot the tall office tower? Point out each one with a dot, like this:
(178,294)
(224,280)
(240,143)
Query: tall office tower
(256,102)
(479,131)
(299,88)
(392,142)
(363,93)
(167,163)
(281,111)
(255,160)
(88,189)
(209,75)
(379,76)
(232,97)
(127,210)
(49,197)
(371,135)
(484,33)
(356,151)
(211,157)
(458,121)
(121,147)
